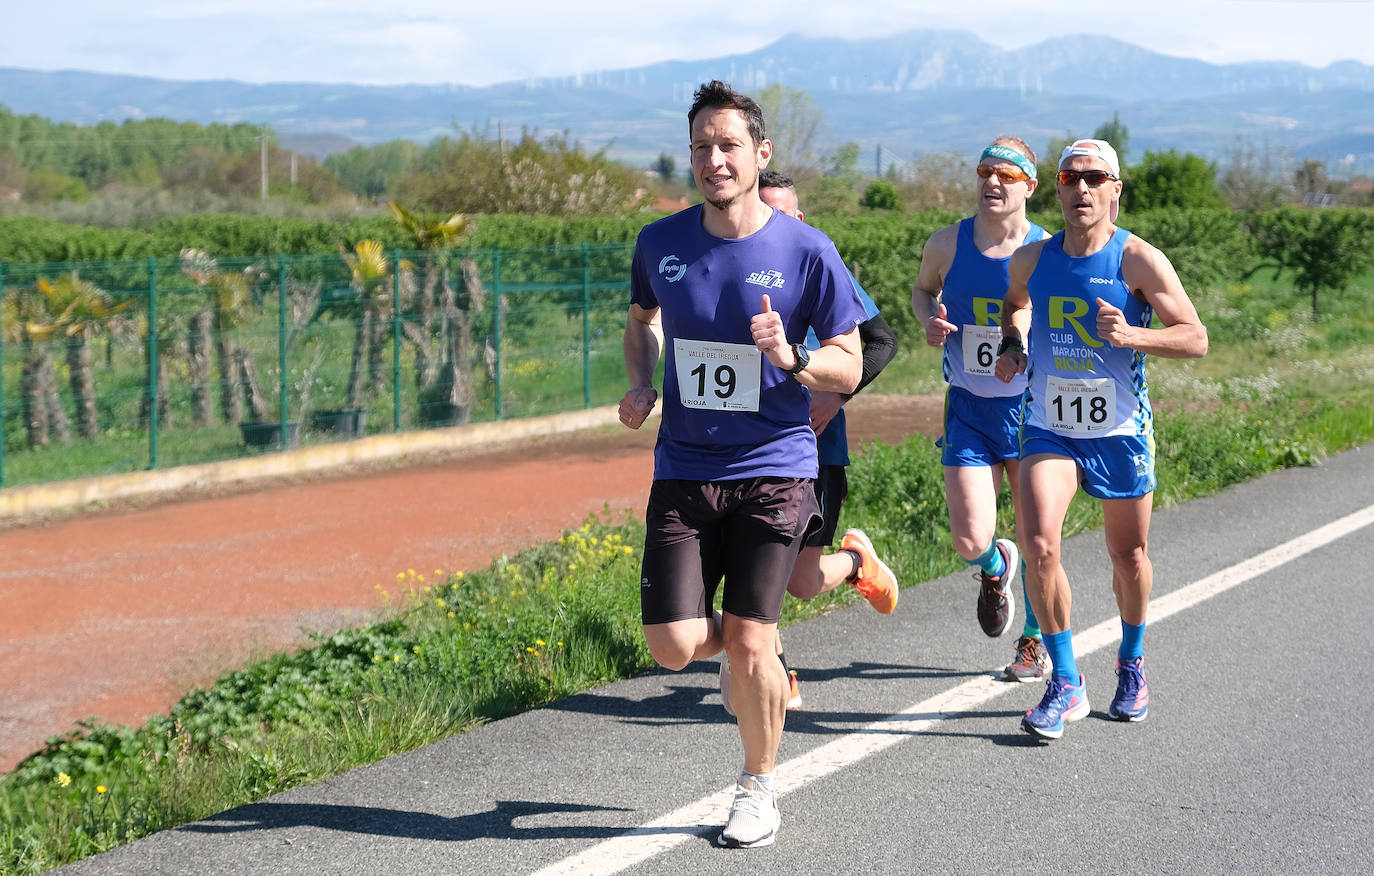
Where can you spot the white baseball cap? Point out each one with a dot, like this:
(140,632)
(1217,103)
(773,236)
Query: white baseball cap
(1096,149)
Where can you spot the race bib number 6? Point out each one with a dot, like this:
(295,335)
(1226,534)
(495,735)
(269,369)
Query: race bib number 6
(1080,407)
(980,347)
(714,376)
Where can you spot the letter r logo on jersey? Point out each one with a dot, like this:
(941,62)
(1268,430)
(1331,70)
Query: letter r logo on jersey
(1068,311)
(987,311)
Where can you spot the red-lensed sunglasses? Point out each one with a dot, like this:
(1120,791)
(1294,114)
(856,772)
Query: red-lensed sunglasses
(1093,178)
(1005,175)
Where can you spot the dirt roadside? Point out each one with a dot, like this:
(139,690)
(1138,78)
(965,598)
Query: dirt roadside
(117,612)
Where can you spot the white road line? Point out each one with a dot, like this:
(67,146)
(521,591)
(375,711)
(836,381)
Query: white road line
(705,815)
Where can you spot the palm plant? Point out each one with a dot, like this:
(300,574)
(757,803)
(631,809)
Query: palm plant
(369,266)
(82,310)
(27,321)
(441,376)
(226,306)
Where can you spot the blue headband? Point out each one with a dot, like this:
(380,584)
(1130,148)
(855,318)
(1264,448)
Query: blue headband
(1006,153)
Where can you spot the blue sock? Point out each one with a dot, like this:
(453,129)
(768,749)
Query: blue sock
(1132,641)
(1060,646)
(1031,629)
(990,561)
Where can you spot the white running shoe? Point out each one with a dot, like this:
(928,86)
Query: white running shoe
(754,818)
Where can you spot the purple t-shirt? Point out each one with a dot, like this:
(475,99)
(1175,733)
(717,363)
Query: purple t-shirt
(727,412)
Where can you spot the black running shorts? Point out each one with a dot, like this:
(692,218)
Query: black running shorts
(746,532)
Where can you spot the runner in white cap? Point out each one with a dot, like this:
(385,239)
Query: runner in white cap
(1084,299)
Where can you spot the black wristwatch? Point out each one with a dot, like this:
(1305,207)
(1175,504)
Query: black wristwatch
(803,359)
(1010,344)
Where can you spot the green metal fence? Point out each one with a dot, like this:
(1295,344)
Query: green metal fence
(124,365)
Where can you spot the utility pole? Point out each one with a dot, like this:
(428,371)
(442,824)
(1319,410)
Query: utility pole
(262,138)
(293,170)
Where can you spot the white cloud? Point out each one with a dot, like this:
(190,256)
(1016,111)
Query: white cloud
(477,44)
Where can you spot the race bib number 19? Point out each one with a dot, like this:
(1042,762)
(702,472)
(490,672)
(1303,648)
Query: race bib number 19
(980,347)
(1080,407)
(717,377)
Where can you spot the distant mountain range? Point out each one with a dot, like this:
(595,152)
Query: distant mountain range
(910,94)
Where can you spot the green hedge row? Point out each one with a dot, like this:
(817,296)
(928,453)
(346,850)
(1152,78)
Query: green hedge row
(1207,246)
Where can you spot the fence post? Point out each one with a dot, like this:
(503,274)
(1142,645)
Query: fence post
(281,349)
(586,325)
(2,381)
(396,341)
(496,323)
(152,363)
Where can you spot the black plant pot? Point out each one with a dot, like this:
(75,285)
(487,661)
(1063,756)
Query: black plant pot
(443,414)
(264,436)
(351,422)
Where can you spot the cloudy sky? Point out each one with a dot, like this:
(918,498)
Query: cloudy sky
(482,42)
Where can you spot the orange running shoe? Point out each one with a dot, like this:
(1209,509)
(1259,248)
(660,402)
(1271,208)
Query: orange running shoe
(793,691)
(874,579)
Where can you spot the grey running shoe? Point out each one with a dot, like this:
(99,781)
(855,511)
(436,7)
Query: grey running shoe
(996,605)
(754,818)
(1031,662)
(725,683)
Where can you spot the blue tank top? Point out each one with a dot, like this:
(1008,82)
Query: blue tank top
(973,291)
(1078,385)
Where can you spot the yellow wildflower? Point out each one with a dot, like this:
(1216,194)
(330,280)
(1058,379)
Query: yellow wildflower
(101,789)
(62,780)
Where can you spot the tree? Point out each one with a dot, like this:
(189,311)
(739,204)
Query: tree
(554,177)
(1249,182)
(941,181)
(836,188)
(881,194)
(793,124)
(1171,179)
(373,172)
(664,167)
(1325,249)
(1310,179)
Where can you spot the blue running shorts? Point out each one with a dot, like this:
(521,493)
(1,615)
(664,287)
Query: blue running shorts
(980,431)
(1111,467)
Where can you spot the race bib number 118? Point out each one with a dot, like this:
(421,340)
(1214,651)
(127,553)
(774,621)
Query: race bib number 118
(715,376)
(1080,407)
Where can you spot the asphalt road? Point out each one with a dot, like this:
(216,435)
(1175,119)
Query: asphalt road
(908,757)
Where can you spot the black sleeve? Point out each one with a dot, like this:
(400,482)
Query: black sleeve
(879,346)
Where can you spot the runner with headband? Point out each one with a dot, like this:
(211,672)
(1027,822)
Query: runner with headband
(958,298)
